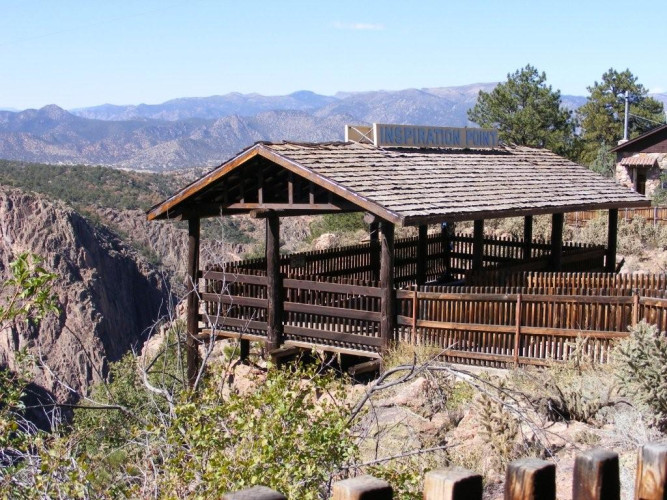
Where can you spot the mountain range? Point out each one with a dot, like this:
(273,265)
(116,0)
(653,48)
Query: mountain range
(205,131)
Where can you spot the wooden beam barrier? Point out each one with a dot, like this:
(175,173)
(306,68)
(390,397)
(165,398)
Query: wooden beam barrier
(388,298)
(422,254)
(530,479)
(478,246)
(651,480)
(362,488)
(255,493)
(274,289)
(596,476)
(191,343)
(527,237)
(452,484)
(612,237)
(556,241)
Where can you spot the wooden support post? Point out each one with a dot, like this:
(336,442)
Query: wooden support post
(256,493)
(612,235)
(191,344)
(245,349)
(274,289)
(452,484)
(517,332)
(422,254)
(651,481)
(387,299)
(527,237)
(362,488)
(635,308)
(415,314)
(373,231)
(596,476)
(530,479)
(556,241)
(447,249)
(478,246)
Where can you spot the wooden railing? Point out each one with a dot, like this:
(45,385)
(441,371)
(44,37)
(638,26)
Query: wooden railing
(596,476)
(355,262)
(654,215)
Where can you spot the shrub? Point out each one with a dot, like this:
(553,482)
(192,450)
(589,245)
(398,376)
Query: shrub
(642,370)
(337,223)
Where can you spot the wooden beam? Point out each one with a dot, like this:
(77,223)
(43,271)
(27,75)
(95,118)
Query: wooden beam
(530,479)
(274,288)
(447,229)
(373,233)
(191,344)
(612,237)
(527,237)
(478,245)
(422,254)
(362,488)
(255,493)
(651,479)
(596,476)
(557,241)
(387,301)
(452,484)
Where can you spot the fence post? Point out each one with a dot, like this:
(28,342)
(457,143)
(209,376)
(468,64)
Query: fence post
(362,488)
(635,308)
(415,310)
(256,493)
(452,484)
(517,333)
(596,476)
(530,479)
(651,480)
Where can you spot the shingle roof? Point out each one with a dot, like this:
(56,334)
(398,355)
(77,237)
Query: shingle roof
(414,186)
(641,160)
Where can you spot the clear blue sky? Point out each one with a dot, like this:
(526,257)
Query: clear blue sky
(84,53)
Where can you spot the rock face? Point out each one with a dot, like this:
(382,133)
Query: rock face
(108,295)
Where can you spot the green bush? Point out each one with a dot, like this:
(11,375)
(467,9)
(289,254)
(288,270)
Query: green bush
(642,370)
(337,223)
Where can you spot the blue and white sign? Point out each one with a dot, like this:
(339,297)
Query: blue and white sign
(414,136)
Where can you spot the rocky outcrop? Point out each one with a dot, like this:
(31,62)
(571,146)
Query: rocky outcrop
(108,295)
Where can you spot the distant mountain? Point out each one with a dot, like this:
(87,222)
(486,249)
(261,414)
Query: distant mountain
(205,131)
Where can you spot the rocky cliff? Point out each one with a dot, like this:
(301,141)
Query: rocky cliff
(108,295)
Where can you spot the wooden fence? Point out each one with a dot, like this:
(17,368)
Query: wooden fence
(595,477)
(357,261)
(654,215)
(489,326)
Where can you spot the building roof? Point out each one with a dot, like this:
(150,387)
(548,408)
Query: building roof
(641,160)
(412,186)
(647,139)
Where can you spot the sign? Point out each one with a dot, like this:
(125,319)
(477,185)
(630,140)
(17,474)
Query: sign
(418,136)
(413,136)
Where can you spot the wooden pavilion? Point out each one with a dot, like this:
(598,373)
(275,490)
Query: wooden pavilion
(404,186)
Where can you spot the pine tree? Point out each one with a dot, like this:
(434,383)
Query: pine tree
(603,114)
(527,112)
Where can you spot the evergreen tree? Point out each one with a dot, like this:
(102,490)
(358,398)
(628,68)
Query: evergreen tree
(527,112)
(603,114)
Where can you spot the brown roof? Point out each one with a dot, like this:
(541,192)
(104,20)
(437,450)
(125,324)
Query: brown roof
(641,160)
(650,137)
(417,186)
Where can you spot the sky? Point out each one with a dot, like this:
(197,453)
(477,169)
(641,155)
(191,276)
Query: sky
(86,53)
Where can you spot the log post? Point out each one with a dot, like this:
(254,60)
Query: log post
(387,300)
(452,484)
(517,331)
(651,481)
(373,230)
(478,246)
(255,493)
(191,343)
(612,236)
(596,476)
(274,289)
(530,479)
(422,254)
(446,228)
(556,241)
(527,237)
(362,488)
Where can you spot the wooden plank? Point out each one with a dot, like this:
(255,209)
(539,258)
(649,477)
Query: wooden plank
(530,479)
(274,289)
(556,253)
(612,237)
(365,367)
(333,336)
(335,312)
(387,300)
(191,344)
(234,299)
(452,484)
(227,334)
(596,476)
(331,348)
(478,245)
(651,481)
(231,277)
(332,287)
(422,254)
(255,493)
(248,324)
(362,488)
